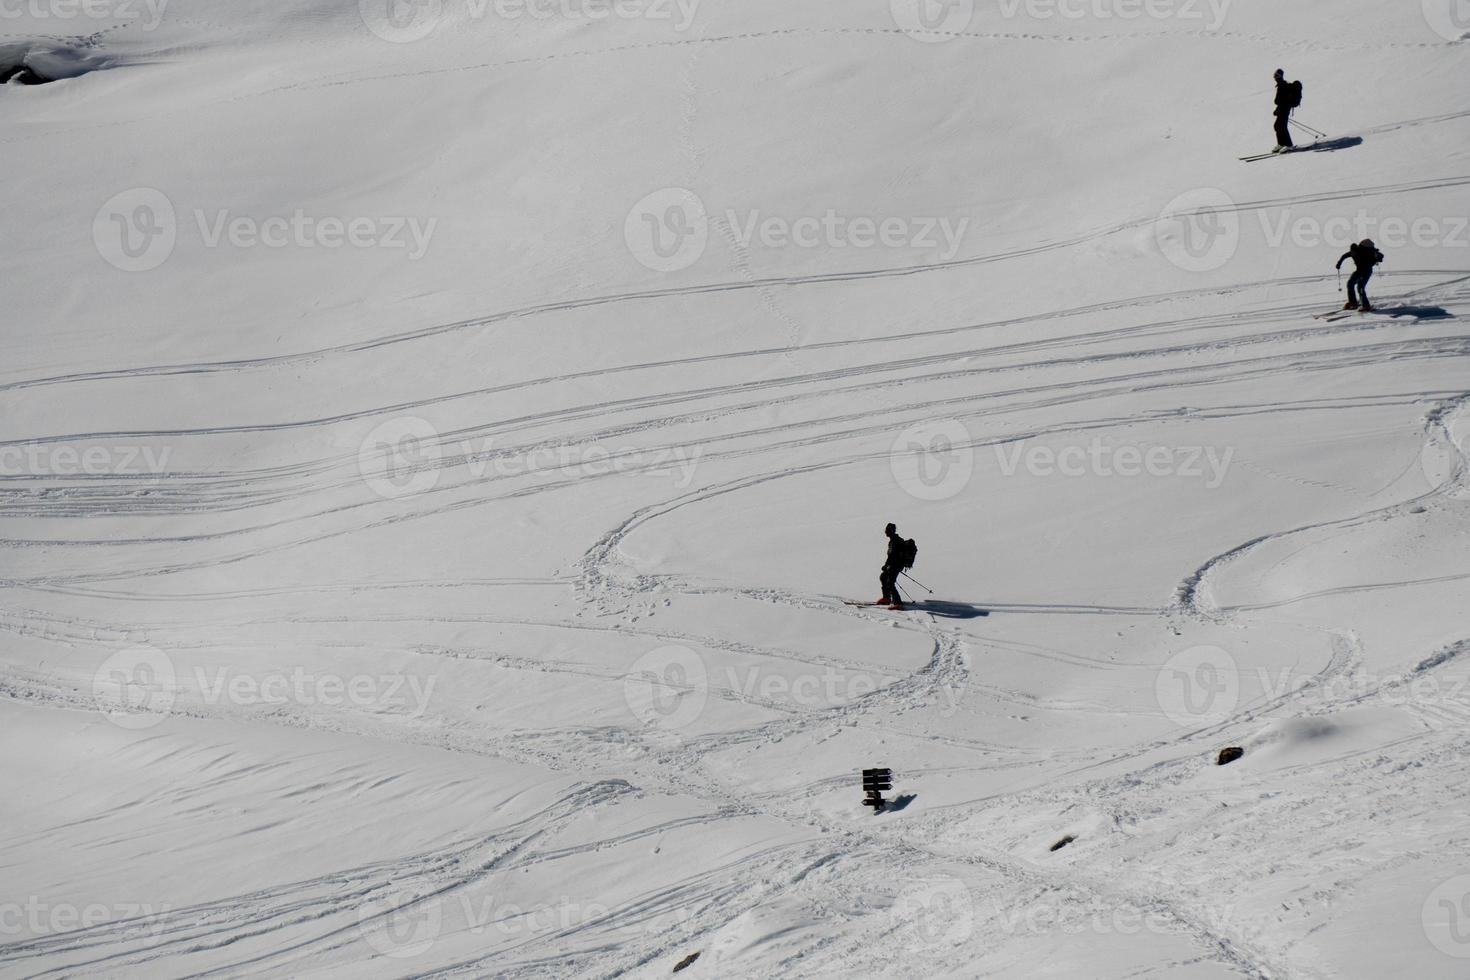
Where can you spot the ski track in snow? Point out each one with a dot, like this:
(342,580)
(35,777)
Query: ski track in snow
(228,513)
(601,582)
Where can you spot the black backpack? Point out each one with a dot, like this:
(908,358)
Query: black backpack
(908,553)
(1365,255)
(1294,95)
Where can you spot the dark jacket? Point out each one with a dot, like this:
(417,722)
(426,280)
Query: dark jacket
(895,553)
(1286,96)
(1364,258)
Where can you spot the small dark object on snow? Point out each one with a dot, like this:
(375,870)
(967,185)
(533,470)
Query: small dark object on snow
(875,783)
(687,961)
(1063,842)
(1229,755)
(21,75)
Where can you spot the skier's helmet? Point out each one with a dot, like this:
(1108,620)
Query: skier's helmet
(891,529)
(1367,243)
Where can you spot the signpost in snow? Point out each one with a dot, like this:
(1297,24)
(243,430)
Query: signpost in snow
(875,783)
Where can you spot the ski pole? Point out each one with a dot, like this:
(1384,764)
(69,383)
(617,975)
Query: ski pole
(1315,132)
(917,582)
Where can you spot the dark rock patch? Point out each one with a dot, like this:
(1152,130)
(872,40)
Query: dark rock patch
(1229,755)
(1063,842)
(21,75)
(42,62)
(687,961)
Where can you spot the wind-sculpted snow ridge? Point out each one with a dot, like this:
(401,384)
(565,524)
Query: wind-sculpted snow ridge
(445,452)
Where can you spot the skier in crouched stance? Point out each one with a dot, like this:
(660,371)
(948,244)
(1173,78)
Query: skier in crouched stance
(1365,256)
(900,558)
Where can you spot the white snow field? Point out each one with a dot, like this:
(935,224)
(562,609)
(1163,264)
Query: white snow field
(437,439)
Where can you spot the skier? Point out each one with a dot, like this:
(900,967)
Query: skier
(1365,256)
(899,558)
(1288,97)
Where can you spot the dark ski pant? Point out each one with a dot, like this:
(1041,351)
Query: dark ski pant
(1359,280)
(888,578)
(1283,129)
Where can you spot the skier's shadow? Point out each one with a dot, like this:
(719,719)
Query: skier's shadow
(1331,146)
(950,610)
(1417,312)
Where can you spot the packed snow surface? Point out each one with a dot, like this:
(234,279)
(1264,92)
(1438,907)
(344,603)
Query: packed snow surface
(437,441)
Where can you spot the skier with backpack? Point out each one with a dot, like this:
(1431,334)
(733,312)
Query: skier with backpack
(1288,97)
(902,553)
(1365,256)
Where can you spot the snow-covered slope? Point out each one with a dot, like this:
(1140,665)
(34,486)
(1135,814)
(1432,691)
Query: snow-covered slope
(436,441)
